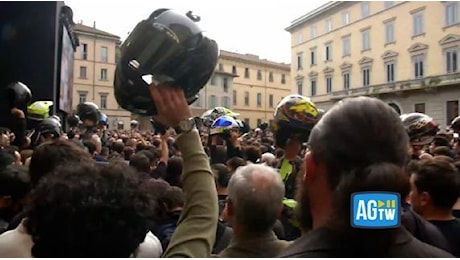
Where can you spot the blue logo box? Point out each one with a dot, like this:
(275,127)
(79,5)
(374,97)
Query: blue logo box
(375,210)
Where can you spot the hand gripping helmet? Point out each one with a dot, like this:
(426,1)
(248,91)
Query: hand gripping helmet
(455,125)
(88,111)
(39,110)
(295,116)
(18,95)
(173,50)
(223,124)
(420,127)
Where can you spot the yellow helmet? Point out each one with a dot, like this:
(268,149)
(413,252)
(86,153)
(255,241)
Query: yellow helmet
(39,110)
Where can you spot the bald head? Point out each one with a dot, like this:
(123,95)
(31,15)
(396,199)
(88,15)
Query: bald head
(256,192)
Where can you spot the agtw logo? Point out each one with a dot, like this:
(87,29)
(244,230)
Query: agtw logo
(375,210)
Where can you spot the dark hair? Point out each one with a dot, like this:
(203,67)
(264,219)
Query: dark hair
(252,153)
(221,174)
(140,162)
(6,159)
(84,210)
(235,162)
(118,147)
(363,144)
(90,145)
(442,150)
(441,141)
(128,152)
(50,155)
(173,197)
(440,179)
(14,182)
(174,171)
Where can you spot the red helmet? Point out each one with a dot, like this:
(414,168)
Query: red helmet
(420,127)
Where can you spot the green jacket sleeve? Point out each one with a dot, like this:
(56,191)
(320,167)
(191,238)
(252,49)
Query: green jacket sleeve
(196,230)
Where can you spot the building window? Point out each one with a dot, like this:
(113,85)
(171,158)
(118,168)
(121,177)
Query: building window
(389,32)
(299,61)
(419,108)
(312,32)
(365,9)
(213,80)
(103,101)
(104,54)
(366,77)
(328,84)
(346,80)
(234,70)
(452,110)
(270,100)
(313,87)
(247,121)
(419,66)
(451,61)
(246,73)
(82,72)
(299,87)
(82,97)
(346,18)
(84,51)
(259,75)
(225,101)
(388,4)
(417,19)
(366,36)
(103,74)
(270,76)
(212,101)
(328,25)
(283,78)
(225,85)
(451,13)
(259,99)
(246,98)
(328,50)
(234,97)
(346,42)
(390,72)
(313,57)
(259,122)
(221,67)
(299,37)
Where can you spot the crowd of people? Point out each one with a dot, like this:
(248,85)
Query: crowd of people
(211,186)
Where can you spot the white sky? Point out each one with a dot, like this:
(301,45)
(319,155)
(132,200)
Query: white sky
(244,26)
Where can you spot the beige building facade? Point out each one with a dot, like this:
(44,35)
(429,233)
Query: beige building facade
(258,85)
(95,62)
(405,53)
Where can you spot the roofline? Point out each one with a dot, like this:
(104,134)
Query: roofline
(116,38)
(312,14)
(268,63)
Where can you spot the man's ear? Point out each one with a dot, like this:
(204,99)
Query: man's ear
(425,198)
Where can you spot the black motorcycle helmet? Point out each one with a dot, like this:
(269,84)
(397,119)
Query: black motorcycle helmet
(18,95)
(50,126)
(73,120)
(88,111)
(170,47)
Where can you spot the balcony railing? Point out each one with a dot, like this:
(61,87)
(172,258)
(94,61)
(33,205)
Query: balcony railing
(429,84)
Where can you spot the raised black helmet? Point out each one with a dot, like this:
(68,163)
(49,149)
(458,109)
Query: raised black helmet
(18,95)
(173,50)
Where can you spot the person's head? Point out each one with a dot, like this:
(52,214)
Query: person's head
(434,187)
(118,147)
(255,195)
(439,141)
(140,163)
(359,145)
(105,152)
(174,171)
(267,158)
(173,199)
(48,156)
(88,210)
(442,150)
(221,175)
(252,153)
(14,186)
(128,152)
(234,163)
